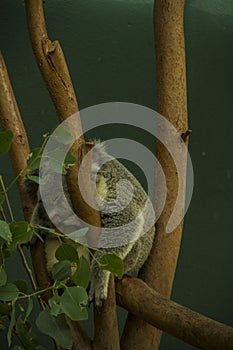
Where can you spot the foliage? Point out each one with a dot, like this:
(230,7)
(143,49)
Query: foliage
(16,304)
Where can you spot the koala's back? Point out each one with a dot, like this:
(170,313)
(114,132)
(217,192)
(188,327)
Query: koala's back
(136,240)
(123,208)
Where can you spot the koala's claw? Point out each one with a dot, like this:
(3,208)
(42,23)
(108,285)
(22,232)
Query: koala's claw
(98,295)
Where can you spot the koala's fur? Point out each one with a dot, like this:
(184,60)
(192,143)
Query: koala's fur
(135,246)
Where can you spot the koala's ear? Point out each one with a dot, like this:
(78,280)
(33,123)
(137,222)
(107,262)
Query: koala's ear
(87,147)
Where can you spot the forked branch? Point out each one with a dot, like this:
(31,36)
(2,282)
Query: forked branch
(52,64)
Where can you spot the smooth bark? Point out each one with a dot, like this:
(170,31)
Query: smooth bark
(105,324)
(54,70)
(154,309)
(159,270)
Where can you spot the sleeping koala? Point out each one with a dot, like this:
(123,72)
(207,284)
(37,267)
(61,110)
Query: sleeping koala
(127,218)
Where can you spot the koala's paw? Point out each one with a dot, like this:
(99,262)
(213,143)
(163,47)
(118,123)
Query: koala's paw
(98,294)
(99,288)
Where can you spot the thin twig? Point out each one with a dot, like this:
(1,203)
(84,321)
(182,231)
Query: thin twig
(10,119)
(30,274)
(7,199)
(186,134)
(36,293)
(1,207)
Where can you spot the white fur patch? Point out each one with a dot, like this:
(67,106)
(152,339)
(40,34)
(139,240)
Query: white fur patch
(51,245)
(101,187)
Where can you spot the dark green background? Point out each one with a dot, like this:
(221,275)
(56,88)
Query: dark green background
(109,50)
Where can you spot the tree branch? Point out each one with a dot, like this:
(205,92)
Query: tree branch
(105,324)
(177,320)
(10,119)
(80,339)
(158,272)
(52,64)
(172,103)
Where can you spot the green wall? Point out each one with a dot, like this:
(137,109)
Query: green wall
(109,50)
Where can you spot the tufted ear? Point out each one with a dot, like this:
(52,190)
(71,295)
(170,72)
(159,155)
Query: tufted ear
(84,149)
(98,151)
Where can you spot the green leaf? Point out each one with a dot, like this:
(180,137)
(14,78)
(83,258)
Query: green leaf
(66,252)
(4,309)
(5,232)
(36,179)
(3,276)
(81,276)
(5,141)
(18,347)
(29,309)
(34,159)
(11,325)
(21,285)
(61,270)
(54,304)
(55,327)
(76,235)
(62,135)
(8,292)
(7,249)
(21,231)
(73,303)
(113,263)
(26,334)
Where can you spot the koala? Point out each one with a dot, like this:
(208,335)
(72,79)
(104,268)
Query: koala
(127,218)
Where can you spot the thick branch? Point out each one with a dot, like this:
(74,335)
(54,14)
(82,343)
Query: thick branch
(172,103)
(105,324)
(85,211)
(159,269)
(52,65)
(11,120)
(177,320)
(80,339)
(51,62)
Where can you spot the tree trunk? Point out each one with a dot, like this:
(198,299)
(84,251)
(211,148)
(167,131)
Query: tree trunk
(159,269)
